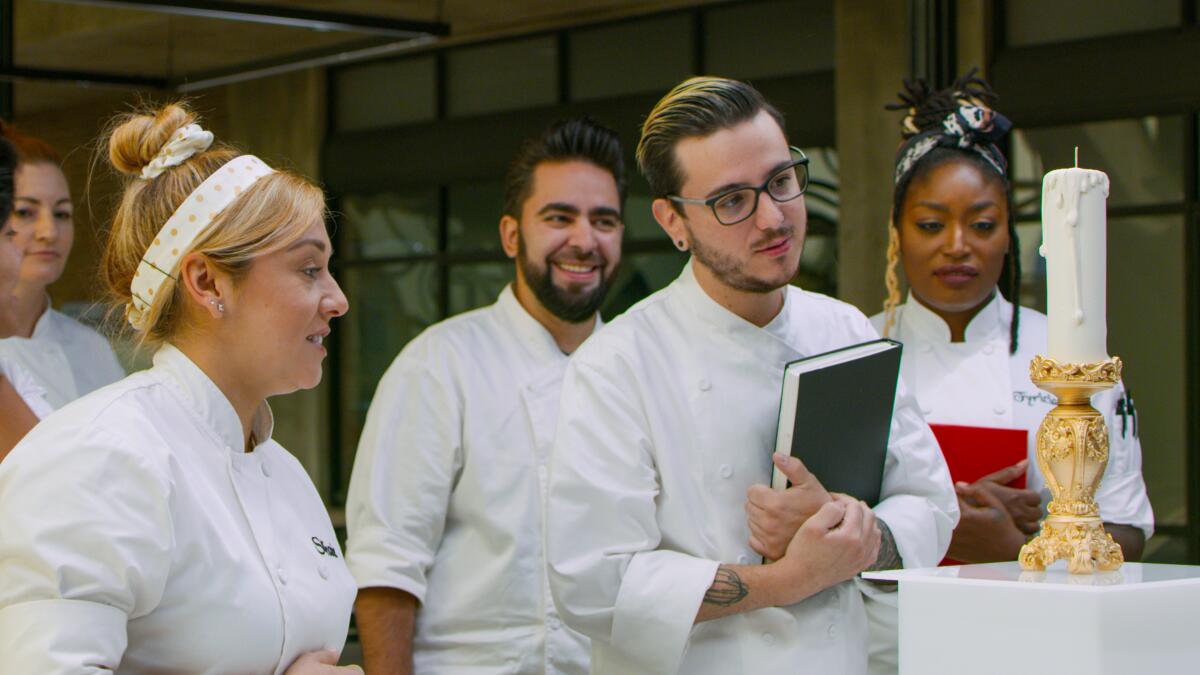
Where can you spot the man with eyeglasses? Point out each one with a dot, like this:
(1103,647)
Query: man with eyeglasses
(659,512)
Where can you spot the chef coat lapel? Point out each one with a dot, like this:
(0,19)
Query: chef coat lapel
(980,363)
(540,389)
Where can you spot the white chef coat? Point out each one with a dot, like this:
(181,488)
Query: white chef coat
(137,536)
(666,419)
(27,388)
(447,496)
(67,358)
(978,383)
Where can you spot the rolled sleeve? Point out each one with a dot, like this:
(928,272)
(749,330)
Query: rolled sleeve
(85,546)
(659,588)
(404,472)
(607,575)
(919,504)
(62,636)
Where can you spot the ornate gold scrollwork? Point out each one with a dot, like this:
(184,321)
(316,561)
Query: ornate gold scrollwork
(1072,452)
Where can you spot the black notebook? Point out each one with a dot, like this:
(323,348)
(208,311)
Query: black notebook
(835,414)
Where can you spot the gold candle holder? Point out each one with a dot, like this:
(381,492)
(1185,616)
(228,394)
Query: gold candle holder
(1072,452)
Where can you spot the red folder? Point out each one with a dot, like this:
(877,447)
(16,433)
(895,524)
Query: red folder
(973,452)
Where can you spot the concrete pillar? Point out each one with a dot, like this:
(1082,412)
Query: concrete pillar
(871,61)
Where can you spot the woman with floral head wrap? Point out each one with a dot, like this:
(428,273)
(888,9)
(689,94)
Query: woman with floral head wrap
(967,341)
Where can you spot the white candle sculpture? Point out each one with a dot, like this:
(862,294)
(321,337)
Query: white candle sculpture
(1074,231)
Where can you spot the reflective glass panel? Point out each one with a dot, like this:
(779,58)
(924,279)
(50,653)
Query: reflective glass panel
(1142,157)
(640,275)
(387,225)
(474,211)
(1147,317)
(477,284)
(507,75)
(389,305)
(650,55)
(769,39)
(385,94)
(1035,22)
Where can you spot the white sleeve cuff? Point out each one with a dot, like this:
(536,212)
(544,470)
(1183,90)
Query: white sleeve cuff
(921,530)
(52,636)
(656,607)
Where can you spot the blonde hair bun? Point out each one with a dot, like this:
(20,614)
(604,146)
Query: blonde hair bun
(137,137)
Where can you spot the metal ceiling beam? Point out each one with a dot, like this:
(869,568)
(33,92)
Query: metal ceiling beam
(340,55)
(281,16)
(82,77)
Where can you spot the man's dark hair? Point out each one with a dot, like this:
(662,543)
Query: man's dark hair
(695,108)
(581,139)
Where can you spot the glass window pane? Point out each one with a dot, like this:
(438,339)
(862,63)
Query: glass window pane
(640,224)
(650,55)
(1146,260)
(502,76)
(385,94)
(389,224)
(818,263)
(640,275)
(389,305)
(473,212)
(478,284)
(1035,22)
(769,39)
(1142,157)
(1033,266)
(1166,549)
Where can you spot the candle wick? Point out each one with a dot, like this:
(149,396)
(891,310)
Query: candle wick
(1077,157)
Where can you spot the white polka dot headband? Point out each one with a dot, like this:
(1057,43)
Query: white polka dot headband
(184,226)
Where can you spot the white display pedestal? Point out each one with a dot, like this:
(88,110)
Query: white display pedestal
(996,618)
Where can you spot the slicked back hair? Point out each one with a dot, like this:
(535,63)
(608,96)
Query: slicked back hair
(695,108)
(581,139)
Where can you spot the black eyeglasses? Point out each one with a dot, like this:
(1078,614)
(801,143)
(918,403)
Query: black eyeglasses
(734,206)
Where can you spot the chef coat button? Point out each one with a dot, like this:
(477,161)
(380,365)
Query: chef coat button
(927,411)
(832,630)
(265,469)
(281,576)
(989,349)
(323,570)
(726,471)
(768,638)
(926,348)
(743,559)
(999,410)
(229,449)
(704,384)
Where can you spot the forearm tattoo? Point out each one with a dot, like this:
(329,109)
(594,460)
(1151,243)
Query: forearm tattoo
(889,557)
(727,588)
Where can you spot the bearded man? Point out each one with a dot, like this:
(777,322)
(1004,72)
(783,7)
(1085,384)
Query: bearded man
(446,505)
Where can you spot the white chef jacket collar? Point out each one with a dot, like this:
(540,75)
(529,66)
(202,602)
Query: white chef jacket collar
(43,328)
(719,316)
(208,402)
(990,323)
(534,334)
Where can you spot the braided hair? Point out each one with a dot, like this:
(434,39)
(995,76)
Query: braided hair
(939,126)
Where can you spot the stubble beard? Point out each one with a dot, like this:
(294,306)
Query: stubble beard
(731,272)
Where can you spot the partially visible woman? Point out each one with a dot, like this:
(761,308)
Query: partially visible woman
(22,401)
(154,525)
(67,358)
